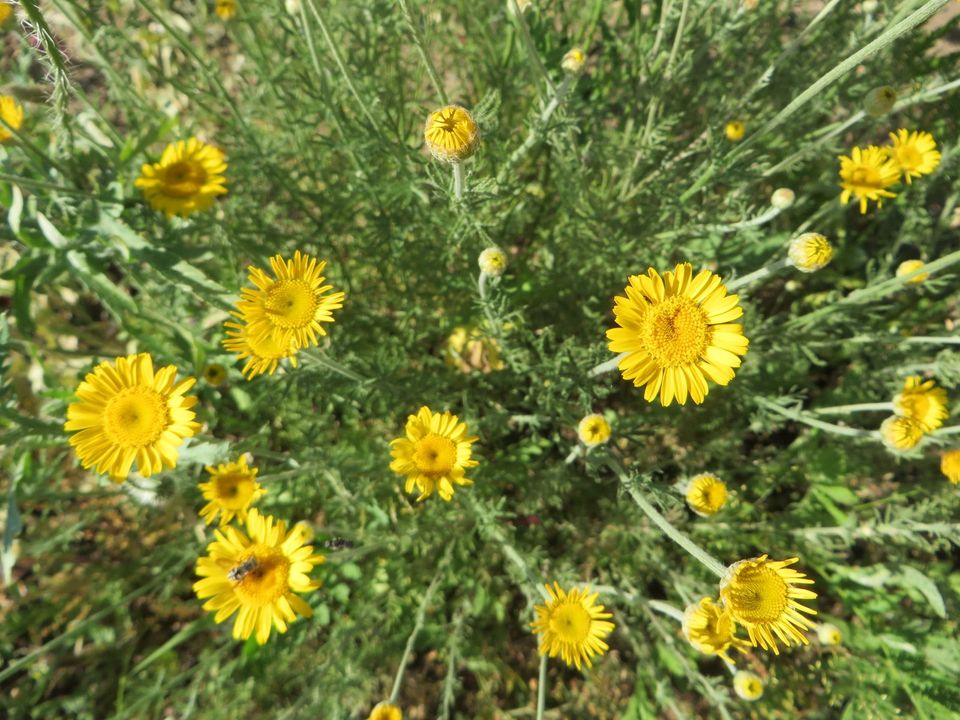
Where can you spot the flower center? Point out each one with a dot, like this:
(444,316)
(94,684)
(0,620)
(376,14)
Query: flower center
(908,157)
(234,491)
(675,332)
(866,177)
(571,623)
(434,455)
(758,595)
(268,581)
(291,304)
(135,417)
(183,179)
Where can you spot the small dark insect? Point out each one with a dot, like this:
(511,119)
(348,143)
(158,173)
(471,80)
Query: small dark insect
(243,569)
(338,543)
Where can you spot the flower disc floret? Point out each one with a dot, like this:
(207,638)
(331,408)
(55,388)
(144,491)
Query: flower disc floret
(867,174)
(257,575)
(922,401)
(915,153)
(761,595)
(451,134)
(128,412)
(231,490)
(676,333)
(434,455)
(188,178)
(572,626)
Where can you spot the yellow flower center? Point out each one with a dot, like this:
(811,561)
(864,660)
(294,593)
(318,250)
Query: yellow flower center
(183,179)
(908,157)
(752,687)
(758,595)
(571,623)
(234,490)
(675,332)
(594,431)
(291,303)
(434,455)
(268,581)
(135,417)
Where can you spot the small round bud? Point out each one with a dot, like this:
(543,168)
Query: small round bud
(593,430)
(911,266)
(492,262)
(735,130)
(451,134)
(782,198)
(521,5)
(810,252)
(750,4)
(292,6)
(573,61)
(747,685)
(829,634)
(215,373)
(869,6)
(386,711)
(879,101)
(901,433)
(225,9)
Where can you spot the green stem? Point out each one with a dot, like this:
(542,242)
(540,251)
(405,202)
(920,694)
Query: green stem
(421,48)
(764,272)
(681,539)
(812,422)
(459,180)
(666,609)
(859,407)
(542,688)
(607,365)
(531,48)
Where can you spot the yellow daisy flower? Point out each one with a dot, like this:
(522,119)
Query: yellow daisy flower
(11,112)
(810,252)
(593,430)
(255,574)
(130,412)
(292,304)
(762,596)
(706,494)
(922,401)
(451,134)
(867,174)
(386,711)
(950,466)
(215,374)
(908,267)
(187,179)
(829,634)
(677,332)
(915,153)
(901,433)
(710,629)
(747,685)
(263,354)
(572,625)
(225,9)
(434,455)
(735,130)
(232,488)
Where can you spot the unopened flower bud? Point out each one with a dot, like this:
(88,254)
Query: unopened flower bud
(747,685)
(735,130)
(880,101)
(492,262)
(292,6)
(810,252)
(593,430)
(451,134)
(829,634)
(910,266)
(782,198)
(573,61)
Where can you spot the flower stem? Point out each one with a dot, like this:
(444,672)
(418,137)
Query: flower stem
(681,539)
(812,422)
(951,430)
(860,407)
(459,180)
(418,41)
(666,609)
(542,688)
(607,366)
(764,272)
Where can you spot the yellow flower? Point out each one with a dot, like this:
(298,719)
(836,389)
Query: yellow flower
(469,349)
(572,625)
(492,262)
(232,488)
(255,574)
(710,629)
(922,401)
(385,711)
(901,433)
(130,412)
(451,133)
(879,101)
(908,267)
(810,252)
(914,153)
(434,455)
(215,374)
(263,354)
(593,430)
(829,634)
(735,130)
(11,113)
(950,466)
(867,174)
(706,494)
(225,9)
(762,596)
(187,179)
(747,685)
(573,60)
(290,306)
(677,332)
